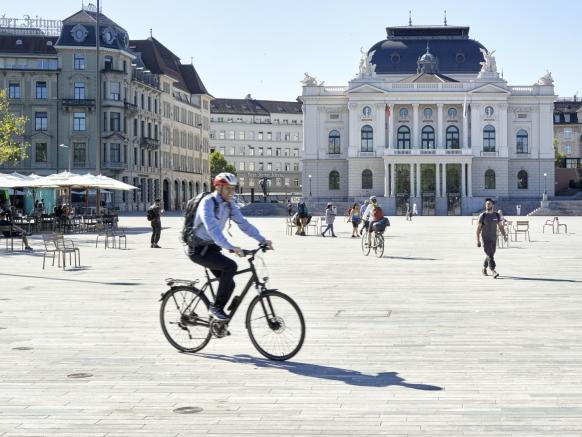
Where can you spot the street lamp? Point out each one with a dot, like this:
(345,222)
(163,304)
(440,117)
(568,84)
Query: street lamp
(309,185)
(545,186)
(64,146)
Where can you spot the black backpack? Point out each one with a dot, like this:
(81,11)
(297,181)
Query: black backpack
(151,214)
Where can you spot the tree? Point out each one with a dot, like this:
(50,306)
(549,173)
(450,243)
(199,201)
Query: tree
(218,164)
(559,157)
(11,126)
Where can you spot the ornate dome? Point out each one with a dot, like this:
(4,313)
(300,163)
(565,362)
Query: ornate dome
(405,47)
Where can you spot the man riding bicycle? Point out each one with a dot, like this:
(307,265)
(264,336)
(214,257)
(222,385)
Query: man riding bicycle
(373,214)
(211,216)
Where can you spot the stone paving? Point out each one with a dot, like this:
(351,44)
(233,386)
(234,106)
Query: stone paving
(417,343)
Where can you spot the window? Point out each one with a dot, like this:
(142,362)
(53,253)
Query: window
(14,90)
(427,137)
(241,135)
(452,112)
(334,180)
(251,166)
(295,166)
(296,153)
(41,152)
(115,121)
(41,90)
(79,91)
(566,118)
(367,138)
(403,138)
(489,111)
(567,148)
(40,120)
(452,139)
(260,151)
(556,118)
(334,142)
(489,138)
(260,136)
(241,166)
(251,151)
(79,62)
(79,154)
(108,65)
(403,113)
(115,152)
(269,166)
(149,103)
(427,113)
(522,180)
(231,135)
(79,121)
(115,91)
(522,141)
(269,151)
(567,132)
(489,180)
(367,182)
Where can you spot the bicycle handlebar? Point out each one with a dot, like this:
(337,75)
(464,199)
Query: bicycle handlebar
(262,247)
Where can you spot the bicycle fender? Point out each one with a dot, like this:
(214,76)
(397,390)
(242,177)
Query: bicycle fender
(173,288)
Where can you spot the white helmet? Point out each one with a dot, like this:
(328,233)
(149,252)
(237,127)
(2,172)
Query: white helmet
(225,179)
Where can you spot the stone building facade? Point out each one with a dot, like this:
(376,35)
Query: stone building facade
(53,81)
(262,139)
(428,120)
(568,130)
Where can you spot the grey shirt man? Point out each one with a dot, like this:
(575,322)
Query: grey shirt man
(489,223)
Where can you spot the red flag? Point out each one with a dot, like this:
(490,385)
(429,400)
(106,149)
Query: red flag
(388,111)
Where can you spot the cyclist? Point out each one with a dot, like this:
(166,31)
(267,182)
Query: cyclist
(372,215)
(211,217)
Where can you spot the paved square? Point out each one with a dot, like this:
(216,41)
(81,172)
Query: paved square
(417,343)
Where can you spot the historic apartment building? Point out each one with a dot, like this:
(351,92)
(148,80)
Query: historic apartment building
(428,120)
(568,130)
(262,139)
(147,123)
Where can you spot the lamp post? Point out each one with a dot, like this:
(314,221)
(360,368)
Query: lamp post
(545,187)
(309,185)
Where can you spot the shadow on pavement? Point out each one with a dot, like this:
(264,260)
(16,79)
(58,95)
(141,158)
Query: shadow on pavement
(521,278)
(411,258)
(71,280)
(350,377)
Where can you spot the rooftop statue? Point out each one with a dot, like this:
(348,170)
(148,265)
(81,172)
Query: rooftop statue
(309,80)
(489,65)
(546,79)
(366,68)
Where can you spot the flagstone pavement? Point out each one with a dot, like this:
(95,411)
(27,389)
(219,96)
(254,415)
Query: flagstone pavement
(417,343)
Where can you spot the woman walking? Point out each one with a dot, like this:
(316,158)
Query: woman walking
(355,218)
(329,219)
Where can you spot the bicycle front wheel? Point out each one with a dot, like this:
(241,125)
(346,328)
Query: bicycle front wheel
(276,326)
(184,319)
(365,245)
(379,245)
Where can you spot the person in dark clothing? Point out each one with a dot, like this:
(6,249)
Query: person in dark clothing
(489,222)
(14,230)
(154,216)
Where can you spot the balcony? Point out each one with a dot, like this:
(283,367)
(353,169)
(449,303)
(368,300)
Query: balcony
(150,143)
(434,152)
(78,103)
(109,69)
(117,166)
(130,106)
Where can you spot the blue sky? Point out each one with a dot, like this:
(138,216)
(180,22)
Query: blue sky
(264,47)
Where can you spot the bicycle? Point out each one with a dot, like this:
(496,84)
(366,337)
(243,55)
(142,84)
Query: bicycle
(377,243)
(274,321)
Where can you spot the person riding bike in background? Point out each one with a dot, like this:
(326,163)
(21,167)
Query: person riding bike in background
(372,215)
(208,230)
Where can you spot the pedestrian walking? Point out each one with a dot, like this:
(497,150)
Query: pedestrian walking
(355,218)
(408,212)
(362,211)
(414,210)
(303,218)
(489,222)
(330,213)
(289,208)
(154,216)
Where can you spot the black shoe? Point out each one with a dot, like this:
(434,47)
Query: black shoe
(152,245)
(484,271)
(334,236)
(217,313)
(323,235)
(156,246)
(494,273)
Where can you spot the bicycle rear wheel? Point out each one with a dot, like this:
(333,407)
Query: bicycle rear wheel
(275,325)
(379,245)
(184,319)
(365,246)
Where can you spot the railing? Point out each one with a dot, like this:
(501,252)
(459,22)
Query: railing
(363,154)
(489,153)
(438,151)
(150,143)
(79,102)
(454,151)
(109,69)
(129,106)
(427,151)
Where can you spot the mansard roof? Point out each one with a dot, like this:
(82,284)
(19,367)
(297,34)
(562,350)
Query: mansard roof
(254,107)
(451,45)
(31,44)
(160,60)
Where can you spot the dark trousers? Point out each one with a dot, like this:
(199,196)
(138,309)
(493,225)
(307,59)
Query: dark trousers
(156,232)
(489,246)
(221,267)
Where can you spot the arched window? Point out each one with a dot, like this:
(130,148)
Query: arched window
(334,142)
(522,180)
(428,137)
(367,138)
(489,180)
(367,183)
(489,138)
(403,140)
(334,180)
(452,137)
(522,141)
